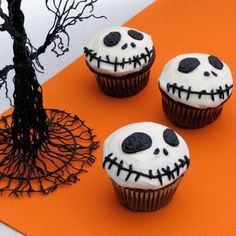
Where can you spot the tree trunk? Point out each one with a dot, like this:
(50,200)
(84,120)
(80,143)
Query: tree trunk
(29,127)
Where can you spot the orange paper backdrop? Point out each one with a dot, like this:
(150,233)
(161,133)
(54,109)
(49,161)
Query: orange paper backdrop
(204,203)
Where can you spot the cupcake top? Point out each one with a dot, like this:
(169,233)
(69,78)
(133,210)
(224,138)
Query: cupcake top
(119,51)
(198,80)
(145,155)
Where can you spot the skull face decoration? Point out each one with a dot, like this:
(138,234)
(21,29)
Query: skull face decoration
(198,80)
(119,50)
(145,155)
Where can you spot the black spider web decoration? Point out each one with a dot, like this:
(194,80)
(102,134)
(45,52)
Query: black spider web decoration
(59,159)
(41,149)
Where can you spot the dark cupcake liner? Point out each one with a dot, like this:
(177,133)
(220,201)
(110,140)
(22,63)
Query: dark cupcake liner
(146,200)
(125,85)
(187,116)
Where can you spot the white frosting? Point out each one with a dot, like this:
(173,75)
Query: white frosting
(197,81)
(116,54)
(146,160)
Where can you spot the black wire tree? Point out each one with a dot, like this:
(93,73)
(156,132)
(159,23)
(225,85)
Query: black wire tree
(40,149)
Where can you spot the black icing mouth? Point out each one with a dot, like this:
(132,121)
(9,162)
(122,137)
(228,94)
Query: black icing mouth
(159,173)
(135,60)
(221,92)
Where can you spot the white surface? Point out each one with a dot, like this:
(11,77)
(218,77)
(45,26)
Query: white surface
(117,53)
(7,231)
(144,160)
(196,80)
(38,20)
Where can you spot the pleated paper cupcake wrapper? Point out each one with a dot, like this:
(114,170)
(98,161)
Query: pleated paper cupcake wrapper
(146,200)
(123,87)
(187,116)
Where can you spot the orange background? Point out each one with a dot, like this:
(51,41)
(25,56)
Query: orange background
(204,203)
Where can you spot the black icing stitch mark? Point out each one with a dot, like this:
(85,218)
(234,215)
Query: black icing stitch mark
(215,62)
(108,58)
(150,174)
(136,142)
(149,53)
(99,61)
(87,51)
(112,39)
(212,95)
(188,64)
(135,60)
(182,163)
(159,173)
(188,92)
(111,163)
(174,87)
(92,56)
(159,176)
(144,57)
(201,93)
(187,161)
(116,64)
(107,157)
(179,93)
(123,63)
(221,93)
(119,168)
(168,173)
(135,35)
(177,169)
(170,137)
(168,86)
(137,177)
(218,92)
(227,88)
(129,172)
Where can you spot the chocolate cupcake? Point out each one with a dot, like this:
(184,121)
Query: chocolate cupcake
(194,88)
(145,162)
(121,59)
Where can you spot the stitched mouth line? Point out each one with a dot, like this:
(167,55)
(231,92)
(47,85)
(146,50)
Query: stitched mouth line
(160,173)
(135,60)
(221,92)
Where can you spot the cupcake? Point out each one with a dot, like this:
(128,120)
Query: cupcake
(194,88)
(145,162)
(121,59)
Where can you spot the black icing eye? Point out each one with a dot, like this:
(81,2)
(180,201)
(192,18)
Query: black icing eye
(112,39)
(188,64)
(136,142)
(135,35)
(215,62)
(170,137)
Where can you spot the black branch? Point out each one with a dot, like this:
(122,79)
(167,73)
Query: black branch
(66,13)
(3,80)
